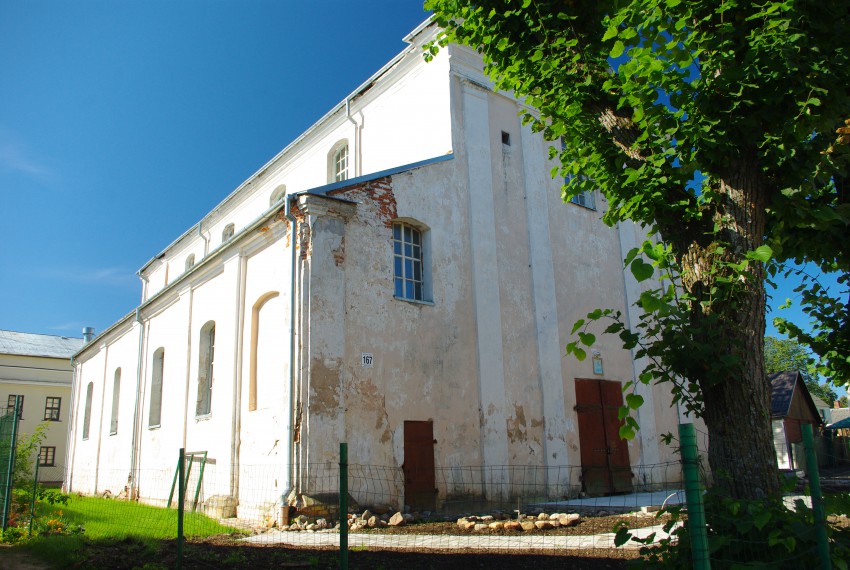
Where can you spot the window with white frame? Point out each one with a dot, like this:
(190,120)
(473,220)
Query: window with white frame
(155,409)
(410,263)
(87,413)
(52,408)
(190,262)
(586,199)
(116,392)
(206,358)
(338,162)
(227,232)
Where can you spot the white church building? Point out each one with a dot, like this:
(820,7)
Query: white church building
(403,277)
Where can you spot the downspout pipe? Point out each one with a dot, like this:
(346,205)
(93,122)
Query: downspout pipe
(357,135)
(69,455)
(293,225)
(137,406)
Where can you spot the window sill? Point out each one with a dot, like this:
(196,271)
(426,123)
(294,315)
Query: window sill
(113,433)
(414,301)
(203,418)
(157,426)
(592,209)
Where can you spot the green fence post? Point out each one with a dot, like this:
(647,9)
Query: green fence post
(817,497)
(7,484)
(181,499)
(34,491)
(343,506)
(693,495)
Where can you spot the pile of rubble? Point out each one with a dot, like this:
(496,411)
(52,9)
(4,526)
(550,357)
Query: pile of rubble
(367,519)
(542,521)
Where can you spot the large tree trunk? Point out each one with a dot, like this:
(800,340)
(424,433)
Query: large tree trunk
(736,397)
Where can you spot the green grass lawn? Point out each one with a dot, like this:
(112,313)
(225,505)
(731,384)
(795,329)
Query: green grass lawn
(138,531)
(116,519)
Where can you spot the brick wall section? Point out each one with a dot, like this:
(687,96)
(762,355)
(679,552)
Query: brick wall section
(376,193)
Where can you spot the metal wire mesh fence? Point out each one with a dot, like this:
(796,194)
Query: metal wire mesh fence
(498,509)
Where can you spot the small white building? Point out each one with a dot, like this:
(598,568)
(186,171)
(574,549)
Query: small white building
(402,277)
(36,369)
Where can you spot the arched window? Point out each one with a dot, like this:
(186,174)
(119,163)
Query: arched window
(227,233)
(411,266)
(206,357)
(155,412)
(338,162)
(116,391)
(277,195)
(87,413)
(265,347)
(190,262)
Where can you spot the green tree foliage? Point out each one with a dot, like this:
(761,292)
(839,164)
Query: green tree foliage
(712,124)
(786,354)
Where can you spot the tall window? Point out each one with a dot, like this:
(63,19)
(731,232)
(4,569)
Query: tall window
(87,413)
(206,357)
(410,271)
(227,232)
(52,408)
(338,162)
(47,456)
(155,412)
(11,405)
(265,349)
(116,391)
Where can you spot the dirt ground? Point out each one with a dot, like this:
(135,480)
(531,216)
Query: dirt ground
(226,551)
(223,553)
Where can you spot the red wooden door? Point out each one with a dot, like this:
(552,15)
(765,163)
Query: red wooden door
(605,464)
(420,489)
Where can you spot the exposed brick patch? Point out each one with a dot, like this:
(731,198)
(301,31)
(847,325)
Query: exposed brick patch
(378,192)
(339,253)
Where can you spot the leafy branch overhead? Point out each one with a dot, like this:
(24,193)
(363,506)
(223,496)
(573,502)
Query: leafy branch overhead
(720,128)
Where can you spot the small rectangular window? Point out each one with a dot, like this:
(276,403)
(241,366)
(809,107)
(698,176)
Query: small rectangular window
(506,138)
(47,456)
(52,407)
(11,405)
(586,199)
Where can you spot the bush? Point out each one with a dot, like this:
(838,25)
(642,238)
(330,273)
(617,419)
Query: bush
(764,534)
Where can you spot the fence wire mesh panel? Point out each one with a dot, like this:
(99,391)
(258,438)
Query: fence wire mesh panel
(8,431)
(497,509)
(776,532)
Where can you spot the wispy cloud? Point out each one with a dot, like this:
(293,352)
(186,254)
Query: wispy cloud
(74,326)
(118,276)
(16,157)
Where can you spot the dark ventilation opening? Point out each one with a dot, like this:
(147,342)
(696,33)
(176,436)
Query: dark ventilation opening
(506,138)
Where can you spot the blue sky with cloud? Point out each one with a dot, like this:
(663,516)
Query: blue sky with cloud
(122,123)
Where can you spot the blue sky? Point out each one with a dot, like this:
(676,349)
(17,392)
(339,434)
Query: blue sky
(122,123)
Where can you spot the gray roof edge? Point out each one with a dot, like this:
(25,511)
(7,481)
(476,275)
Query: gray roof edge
(376,175)
(16,343)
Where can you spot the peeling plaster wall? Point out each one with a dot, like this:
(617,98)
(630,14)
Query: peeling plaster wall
(512,268)
(497,395)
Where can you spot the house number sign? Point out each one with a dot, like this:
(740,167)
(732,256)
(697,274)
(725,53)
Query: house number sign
(366,359)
